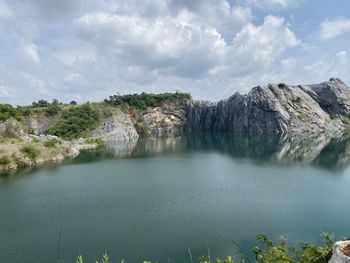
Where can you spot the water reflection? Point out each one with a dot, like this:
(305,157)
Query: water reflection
(322,151)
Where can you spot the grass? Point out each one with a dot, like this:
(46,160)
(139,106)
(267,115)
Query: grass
(98,141)
(51,143)
(30,151)
(4,160)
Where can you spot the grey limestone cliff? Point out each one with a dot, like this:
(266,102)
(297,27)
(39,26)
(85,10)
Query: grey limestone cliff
(277,110)
(117,128)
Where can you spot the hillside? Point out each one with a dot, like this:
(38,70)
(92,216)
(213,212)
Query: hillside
(56,131)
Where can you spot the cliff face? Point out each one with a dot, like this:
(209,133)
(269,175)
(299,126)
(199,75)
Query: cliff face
(117,128)
(169,119)
(277,110)
(40,124)
(283,110)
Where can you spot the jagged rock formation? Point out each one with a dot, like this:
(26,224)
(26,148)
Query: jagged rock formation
(117,128)
(277,110)
(297,115)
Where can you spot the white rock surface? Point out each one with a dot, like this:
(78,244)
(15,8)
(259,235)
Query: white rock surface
(338,252)
(117,128)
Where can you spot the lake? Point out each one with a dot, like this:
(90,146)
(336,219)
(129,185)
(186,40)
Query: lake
(161,197)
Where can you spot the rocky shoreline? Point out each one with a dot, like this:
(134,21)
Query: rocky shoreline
(274,110)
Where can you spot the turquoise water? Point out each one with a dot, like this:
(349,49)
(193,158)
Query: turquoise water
(158,198)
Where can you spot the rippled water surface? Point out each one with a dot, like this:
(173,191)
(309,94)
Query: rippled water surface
(158,198)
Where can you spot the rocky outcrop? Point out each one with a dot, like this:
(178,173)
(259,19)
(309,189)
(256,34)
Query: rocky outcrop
(169,119)
(39,124)
(341,252)
(117,128)
(276,110)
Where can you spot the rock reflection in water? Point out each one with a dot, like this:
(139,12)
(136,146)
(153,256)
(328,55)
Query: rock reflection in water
(120,149)
(322,150)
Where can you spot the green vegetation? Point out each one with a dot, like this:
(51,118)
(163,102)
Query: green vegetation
(41,107)
(51,143)
(7,111)
(98,141)
(145,100)
(30,151)
(76,122)
(4,160)
(269,252)
(302,252)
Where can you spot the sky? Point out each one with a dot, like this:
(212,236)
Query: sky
(87,50)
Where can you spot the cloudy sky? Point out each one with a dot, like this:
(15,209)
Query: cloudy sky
(89,49)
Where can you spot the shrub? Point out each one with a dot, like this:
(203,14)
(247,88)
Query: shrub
(40,104)
(7,111)
(144,100)
(12,129)
(52,110)
(30,151)
(302,252)
(75,122)
(4,160)
(51,143)
(141,129)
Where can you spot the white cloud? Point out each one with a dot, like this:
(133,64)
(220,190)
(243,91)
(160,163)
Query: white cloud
(331,28)
(256,47)
(177,44)
(74,78)
(342,57)
(4,92)
(88,50)
(330,65)
(37,84)
(31,50)
(272,4)
(226,19)
(289,63)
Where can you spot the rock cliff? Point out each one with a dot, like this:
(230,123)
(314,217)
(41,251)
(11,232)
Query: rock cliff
(169,119)
(277,110)
(117,128)
(40,124)
(316,112)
